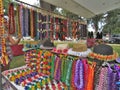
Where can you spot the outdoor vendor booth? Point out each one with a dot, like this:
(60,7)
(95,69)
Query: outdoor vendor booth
(53,60)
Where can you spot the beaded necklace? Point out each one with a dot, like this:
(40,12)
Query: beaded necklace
(79,75)
(11,26)
(4,59)
(26,21)
(21,19)
(18,20)
(31,22)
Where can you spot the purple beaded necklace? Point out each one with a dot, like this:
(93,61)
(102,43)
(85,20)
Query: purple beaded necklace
(79,75)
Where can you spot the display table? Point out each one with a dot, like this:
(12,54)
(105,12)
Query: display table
(7,84)
(28,79)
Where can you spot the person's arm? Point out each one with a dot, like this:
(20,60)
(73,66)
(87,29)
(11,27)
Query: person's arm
(14,42)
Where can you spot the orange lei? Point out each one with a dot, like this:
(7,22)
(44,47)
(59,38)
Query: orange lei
(104,57)
(4,59)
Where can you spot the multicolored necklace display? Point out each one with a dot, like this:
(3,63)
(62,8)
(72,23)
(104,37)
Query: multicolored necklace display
(4,59)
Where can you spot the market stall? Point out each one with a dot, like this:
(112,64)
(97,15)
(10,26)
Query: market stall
(60,67)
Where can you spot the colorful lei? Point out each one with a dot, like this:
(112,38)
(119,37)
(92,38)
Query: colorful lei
(103,57)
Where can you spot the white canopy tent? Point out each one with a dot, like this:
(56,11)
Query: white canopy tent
(86,8)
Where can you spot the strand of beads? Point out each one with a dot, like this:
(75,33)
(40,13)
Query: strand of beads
(11,19)
(4,59)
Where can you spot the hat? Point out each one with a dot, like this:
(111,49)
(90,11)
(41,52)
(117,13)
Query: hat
(31,45)
(103,52)
(79,49)
(47,44)
(61,49)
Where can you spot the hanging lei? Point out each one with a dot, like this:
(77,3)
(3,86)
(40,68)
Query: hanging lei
(57,69)
(85,64)
(63,70)
(26,21)
(90,82)
(4,59)
(18,21)
(37,26)
(11,26)
(67,81)
(31,23)
(101,79)
(73,87)
(52,66)
(79,75)
(104,57)
(21,19)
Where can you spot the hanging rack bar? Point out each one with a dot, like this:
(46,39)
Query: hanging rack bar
(55,14)
(41,9)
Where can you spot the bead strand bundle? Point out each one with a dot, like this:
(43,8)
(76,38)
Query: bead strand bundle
(4,59)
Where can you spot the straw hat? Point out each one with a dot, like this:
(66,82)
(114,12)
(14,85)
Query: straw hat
(61,49)
(79,49)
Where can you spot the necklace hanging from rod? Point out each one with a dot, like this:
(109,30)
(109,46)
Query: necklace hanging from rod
(11,19)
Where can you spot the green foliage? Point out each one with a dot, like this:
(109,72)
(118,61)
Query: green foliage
(5,5)
(112,22)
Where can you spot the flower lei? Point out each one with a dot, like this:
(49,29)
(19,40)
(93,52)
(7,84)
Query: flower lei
(67,81)
(11,19)
(57,69)
(73,75)
(90,81)
(80,54)
(104,57)
(79,75)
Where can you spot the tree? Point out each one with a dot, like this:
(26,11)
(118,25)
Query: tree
(95,21)
(112,22)
(6,4)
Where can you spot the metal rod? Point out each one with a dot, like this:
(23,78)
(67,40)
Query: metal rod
(40,8)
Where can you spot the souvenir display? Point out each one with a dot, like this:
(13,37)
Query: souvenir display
(40,60)
(61,67)
(41,25)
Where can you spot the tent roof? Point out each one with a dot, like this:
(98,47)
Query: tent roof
(86,8)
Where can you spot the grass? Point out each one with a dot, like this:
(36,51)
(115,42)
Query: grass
(17,61)
(116,47)
(20,60)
